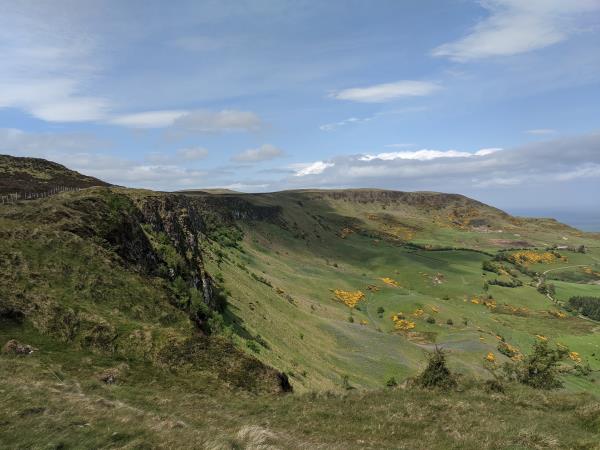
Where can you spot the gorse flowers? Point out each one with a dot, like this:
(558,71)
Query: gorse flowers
(418,312)
(558,314)
(402,324)
(390,281)
(532,257)
(349,298)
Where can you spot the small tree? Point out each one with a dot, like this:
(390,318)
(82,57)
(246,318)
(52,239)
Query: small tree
(436,374)
(539,369)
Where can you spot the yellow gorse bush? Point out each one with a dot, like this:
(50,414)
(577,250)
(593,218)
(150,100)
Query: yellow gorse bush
(404,325)
(398,316)
(350,298)
(558,314)
(490,357)
(574,356)
(390,281)
(418,312)
(490,304)
(530,256)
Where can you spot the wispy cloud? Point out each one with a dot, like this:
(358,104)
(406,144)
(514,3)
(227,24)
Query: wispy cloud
(386,92)
(516,26)
(18,142)
(148,119)
(46,66)
(314,168)
(541,131)
(358,120)
(214,122)
(351,120)
(263,153)
(200,121)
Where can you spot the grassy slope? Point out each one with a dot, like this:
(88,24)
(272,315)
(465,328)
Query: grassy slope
(312,338)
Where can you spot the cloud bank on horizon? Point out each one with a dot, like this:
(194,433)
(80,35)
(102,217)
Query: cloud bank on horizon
(496,99)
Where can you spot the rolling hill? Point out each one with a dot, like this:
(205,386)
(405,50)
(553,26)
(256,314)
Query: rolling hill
(161,318)
(27,176)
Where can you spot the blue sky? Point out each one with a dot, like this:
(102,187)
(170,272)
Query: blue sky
(495,99)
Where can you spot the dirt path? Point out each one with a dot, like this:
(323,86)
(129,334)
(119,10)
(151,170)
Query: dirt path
(566,267)
(541,277)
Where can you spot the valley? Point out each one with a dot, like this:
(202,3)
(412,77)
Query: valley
(135,319)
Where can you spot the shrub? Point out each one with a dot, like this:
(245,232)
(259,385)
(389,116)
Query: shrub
(449,322)
(346,383)
(507,350)
(252,345)
(513,282)
(391,382)
(430,319)
(539,369)
(380,310)
(588,306)
(436,374)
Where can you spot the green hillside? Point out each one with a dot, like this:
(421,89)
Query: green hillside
(433,247)
(159,319)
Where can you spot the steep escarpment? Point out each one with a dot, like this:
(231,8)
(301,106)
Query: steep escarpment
(121,273)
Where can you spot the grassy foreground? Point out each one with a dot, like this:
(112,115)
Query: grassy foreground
(53,399)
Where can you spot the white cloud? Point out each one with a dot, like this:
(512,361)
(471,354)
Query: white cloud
(487,151)
(427,155)
(149,119)
(386,92)
(314,168)
(262,153)
(541,131)
(517,26)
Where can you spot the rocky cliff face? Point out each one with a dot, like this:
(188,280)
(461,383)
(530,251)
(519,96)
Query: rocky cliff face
(106,270)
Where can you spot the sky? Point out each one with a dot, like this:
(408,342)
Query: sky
(495,99)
